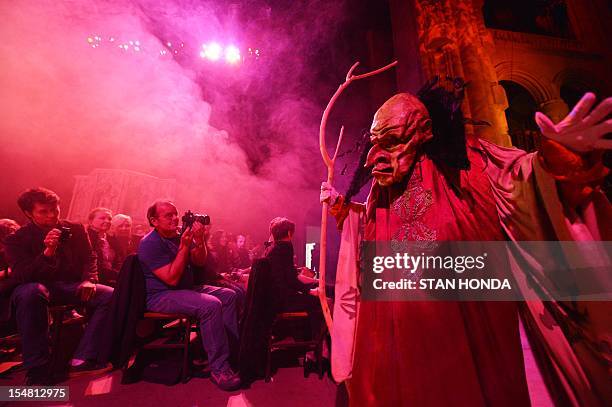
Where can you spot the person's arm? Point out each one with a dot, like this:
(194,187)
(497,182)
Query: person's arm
(28,267)
(293,281)
(86,253)
(171,273)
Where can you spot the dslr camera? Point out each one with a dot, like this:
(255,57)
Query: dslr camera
(65,234)
(189,218)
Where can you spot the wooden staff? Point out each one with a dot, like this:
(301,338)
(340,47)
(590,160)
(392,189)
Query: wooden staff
(329,163)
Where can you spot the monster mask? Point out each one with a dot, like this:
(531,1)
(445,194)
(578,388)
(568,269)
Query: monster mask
(399,129)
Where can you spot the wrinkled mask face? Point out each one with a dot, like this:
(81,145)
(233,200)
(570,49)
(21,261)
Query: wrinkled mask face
(400,127)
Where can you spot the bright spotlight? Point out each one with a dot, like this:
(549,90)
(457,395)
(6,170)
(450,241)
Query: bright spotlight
(211,51)
(232,54)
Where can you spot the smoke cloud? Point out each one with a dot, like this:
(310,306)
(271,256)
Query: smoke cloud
(95,85)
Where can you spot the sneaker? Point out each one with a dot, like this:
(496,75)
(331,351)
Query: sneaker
(225,379)
(89,367)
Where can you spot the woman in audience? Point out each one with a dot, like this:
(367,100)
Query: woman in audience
(122,241)
(99,224)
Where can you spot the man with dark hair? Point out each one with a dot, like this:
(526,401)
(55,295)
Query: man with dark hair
(280,228)
(296,292)
(166,257)
(52,261)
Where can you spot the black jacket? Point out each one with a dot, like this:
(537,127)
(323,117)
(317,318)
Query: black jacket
(283,272)
(127,308)
(74,259)
(262,305)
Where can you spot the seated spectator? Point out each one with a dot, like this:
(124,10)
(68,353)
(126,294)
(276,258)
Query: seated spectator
(7,227)
(242,258)
(296,292)
(99,222)
(122,241)
(166,258)
(53,263)
(220,251)
(219,270)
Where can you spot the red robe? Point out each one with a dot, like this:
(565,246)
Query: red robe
(446,353)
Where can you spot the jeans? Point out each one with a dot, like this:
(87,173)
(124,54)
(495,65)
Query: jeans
(31,302)
(215,310)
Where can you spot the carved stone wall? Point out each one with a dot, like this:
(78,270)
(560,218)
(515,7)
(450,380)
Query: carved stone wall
(454,41)
(121,191)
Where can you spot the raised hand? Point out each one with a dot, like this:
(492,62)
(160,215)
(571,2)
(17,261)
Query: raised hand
(581,131)
(186,238)
(51,242)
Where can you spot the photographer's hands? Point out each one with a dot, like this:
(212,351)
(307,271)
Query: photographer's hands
(51,242)
(199,251)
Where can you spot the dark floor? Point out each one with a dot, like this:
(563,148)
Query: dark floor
(287,388)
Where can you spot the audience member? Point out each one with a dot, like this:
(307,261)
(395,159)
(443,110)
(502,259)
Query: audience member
(7,227)
(99,222)
(297,292)
(53,262)
(166,257)
(121,240)
(219,270)
(242,258)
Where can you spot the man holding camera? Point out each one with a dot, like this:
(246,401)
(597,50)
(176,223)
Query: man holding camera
(166,257)
(52,261)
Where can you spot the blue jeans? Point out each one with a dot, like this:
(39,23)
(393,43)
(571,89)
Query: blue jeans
(31,303)
(215,310)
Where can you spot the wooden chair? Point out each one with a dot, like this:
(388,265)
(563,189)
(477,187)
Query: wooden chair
(315,344)
(183,323)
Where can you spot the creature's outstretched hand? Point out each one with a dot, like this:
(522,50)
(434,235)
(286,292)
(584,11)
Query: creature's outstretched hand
(581,131)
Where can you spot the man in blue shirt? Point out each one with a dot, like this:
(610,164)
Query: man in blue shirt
(166,257)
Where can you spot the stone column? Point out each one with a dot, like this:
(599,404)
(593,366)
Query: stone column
(453,42)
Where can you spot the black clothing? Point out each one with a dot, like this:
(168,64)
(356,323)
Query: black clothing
(102,248)
(262,305)
(243,260)
(121,248)
(284,272)
(127,308)
(74,259)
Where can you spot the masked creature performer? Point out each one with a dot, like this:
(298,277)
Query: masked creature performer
(433,182)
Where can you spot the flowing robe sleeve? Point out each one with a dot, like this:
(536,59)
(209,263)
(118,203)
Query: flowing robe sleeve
(554,195)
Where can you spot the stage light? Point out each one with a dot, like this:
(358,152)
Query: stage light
(211,51)
(232,54)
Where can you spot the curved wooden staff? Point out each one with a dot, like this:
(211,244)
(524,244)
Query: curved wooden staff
(329,163)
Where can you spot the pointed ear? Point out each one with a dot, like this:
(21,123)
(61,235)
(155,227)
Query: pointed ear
(544,123)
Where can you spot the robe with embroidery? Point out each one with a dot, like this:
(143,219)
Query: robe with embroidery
(439,353)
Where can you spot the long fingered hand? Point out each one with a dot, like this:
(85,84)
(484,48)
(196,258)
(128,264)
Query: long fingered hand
(581,131)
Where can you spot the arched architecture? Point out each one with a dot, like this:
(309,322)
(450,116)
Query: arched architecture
(556,50)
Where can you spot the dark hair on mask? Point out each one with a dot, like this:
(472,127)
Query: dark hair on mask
(362,174)
(447,147)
